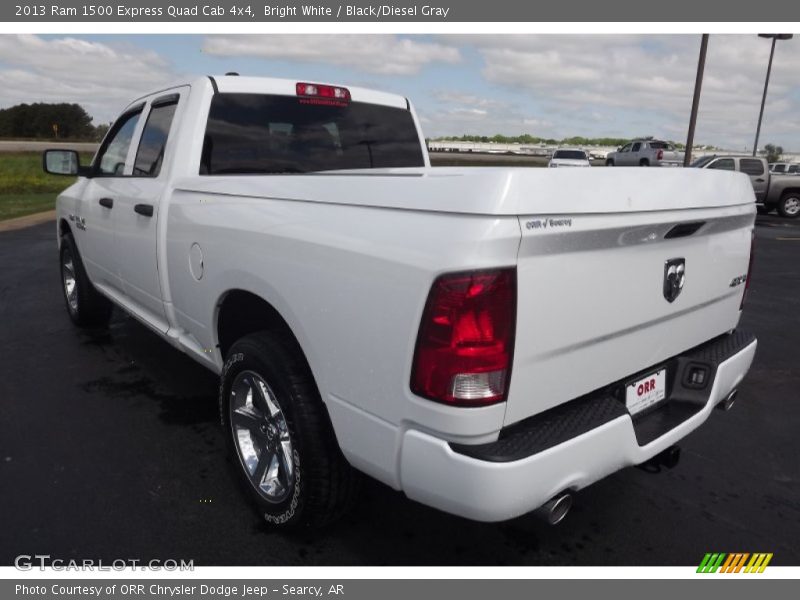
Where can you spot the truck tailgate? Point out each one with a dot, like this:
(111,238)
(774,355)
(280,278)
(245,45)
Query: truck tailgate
(592,308)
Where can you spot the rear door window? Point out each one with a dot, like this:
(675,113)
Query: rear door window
(261,134)
(751,166)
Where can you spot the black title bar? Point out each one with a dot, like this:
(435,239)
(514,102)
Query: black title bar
(442,11)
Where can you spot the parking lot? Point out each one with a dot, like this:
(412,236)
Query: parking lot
(110,448)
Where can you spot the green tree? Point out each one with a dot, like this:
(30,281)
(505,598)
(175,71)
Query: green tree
(527,138)
(773,152)
(46,121)
(101,130)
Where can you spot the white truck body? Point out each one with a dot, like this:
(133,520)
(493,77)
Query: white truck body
(347,258)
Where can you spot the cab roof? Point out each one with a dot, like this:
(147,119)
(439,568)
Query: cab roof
(235,84)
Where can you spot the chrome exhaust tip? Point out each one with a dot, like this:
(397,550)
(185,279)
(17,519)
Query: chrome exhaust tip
(727,404)
(555,510)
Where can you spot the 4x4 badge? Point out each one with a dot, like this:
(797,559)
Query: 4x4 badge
(674,278)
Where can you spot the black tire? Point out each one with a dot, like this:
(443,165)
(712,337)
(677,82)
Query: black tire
(313,484)
(789,205)
(763,210)
(85,305)
(609,162)
(644,163)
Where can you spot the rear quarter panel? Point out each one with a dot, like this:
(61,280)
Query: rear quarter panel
(779,184)
(351,282)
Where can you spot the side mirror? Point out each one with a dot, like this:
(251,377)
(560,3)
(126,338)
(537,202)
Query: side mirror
(62,162)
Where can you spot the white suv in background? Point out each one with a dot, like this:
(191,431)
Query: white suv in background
(569,157)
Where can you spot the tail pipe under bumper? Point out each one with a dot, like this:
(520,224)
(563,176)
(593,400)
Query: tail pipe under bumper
(728,402)
(555,510)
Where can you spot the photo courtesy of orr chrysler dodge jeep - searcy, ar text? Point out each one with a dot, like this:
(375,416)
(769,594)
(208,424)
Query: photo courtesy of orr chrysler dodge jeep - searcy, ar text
(487,340)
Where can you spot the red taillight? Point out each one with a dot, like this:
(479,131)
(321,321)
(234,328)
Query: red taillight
(660,155)
(315,93)
(749,267)
(466,339)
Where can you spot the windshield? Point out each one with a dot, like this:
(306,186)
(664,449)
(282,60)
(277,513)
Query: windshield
(259,133)
(702,161)
(570,154)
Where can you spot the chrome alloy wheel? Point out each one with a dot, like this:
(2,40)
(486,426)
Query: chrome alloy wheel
(791,206)
(69,281)
(261,436)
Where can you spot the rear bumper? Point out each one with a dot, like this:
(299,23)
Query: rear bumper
(535,460)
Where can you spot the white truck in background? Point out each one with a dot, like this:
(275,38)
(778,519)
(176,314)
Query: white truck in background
(487,340)
(645,153)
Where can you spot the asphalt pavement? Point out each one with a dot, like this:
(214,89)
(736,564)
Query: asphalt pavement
(110,448)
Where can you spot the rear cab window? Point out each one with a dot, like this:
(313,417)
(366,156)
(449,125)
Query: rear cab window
(662,146)
(266,134)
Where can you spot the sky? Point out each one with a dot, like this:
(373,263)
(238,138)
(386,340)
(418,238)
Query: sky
(544,85)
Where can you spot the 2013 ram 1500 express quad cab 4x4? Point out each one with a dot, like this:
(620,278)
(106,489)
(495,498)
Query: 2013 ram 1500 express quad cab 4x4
(484,339)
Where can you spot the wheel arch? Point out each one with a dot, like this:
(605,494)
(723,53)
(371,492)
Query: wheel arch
(63,229)
(790,190)
(240,312)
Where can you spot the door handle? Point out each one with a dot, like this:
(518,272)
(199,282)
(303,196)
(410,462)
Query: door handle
(107,202)
(759,180)
(144,209)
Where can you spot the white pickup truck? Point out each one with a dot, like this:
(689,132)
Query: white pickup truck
(487,340)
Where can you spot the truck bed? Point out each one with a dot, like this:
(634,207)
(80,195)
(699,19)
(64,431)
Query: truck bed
(590,256)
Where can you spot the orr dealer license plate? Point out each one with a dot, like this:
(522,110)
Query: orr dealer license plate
(645,392)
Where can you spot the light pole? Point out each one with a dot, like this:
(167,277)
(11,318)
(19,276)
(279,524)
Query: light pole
(775,37)
(698,83)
